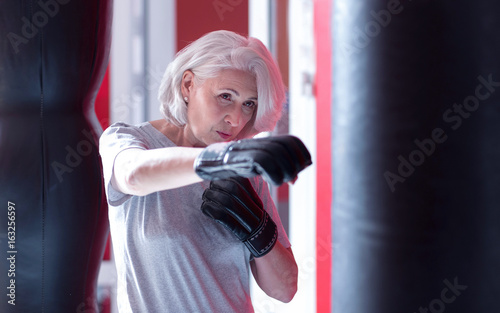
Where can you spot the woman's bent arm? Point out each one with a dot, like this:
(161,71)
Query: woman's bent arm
(276,273)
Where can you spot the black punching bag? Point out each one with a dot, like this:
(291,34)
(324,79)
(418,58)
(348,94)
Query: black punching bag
(53,212)
(416,156)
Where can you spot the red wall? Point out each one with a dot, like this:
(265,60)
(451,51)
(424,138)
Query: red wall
(322,9)
(102,102)
(198,17)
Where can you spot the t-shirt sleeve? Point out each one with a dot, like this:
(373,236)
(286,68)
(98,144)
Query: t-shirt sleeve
(262,189)
(116,138)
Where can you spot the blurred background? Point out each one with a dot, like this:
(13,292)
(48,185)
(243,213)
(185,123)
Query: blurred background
(147,34)
(395,97)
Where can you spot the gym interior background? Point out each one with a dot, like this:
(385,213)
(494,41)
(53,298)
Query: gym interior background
(395,99)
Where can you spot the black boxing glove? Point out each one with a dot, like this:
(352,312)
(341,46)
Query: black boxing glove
(278,159)
(234,203)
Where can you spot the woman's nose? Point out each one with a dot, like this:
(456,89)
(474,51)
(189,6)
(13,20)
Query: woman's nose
(233,115)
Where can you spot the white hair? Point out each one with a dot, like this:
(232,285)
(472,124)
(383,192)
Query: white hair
(217,51)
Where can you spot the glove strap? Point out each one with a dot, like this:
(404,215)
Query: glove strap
(263,239)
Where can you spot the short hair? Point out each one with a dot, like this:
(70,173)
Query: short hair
(217,51)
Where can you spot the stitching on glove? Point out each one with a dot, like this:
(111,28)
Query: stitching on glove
(271,242)
(261,228)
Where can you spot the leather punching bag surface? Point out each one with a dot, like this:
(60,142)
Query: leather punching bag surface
(53,211)
(416,156)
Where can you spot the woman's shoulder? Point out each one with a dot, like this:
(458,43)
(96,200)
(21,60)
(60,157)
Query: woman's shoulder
(123,125)
(126,128)
(121,133)
(146,132)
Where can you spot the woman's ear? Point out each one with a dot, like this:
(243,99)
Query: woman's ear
(187,83)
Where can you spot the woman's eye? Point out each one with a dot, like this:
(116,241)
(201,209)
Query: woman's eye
(249,104)
(226,96)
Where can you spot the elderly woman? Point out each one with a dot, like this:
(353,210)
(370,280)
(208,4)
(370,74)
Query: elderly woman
(185,244)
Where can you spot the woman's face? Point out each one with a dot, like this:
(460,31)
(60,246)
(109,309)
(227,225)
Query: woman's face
(220,107)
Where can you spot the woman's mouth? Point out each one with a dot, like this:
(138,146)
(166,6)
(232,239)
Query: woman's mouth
(224,135)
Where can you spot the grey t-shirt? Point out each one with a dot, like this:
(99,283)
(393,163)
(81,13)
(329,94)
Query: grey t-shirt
(169,256)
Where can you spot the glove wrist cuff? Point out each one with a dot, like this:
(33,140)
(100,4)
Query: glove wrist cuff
(263,239)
